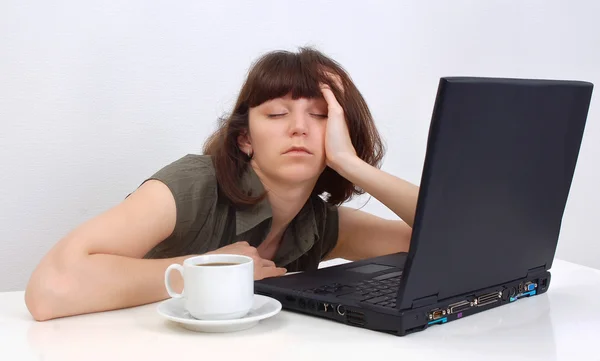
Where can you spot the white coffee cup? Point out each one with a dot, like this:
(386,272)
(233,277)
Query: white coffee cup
(215,292)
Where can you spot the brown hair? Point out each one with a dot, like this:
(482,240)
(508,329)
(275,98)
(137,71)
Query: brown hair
(275,75)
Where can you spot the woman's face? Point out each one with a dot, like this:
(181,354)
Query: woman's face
(279,125)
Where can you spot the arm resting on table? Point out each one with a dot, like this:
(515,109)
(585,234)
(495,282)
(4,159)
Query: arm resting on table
(99,266)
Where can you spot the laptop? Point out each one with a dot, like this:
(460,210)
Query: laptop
(499,162)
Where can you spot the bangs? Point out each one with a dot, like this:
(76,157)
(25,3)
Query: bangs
(280,73)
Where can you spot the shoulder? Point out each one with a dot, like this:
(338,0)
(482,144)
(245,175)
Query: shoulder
(188,176)
(193,184)
(189,166)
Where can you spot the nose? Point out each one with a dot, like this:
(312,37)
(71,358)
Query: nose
(298,124)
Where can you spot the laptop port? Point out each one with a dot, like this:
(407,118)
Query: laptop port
(488,298)
(341,310)
(459,306)
(436,314)
(530,286)
(311,305)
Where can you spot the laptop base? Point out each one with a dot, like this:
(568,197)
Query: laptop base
(404,322)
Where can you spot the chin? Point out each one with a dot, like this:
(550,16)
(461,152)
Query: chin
(297,172)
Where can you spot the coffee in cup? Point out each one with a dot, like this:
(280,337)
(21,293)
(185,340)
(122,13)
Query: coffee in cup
(216,264)
(215,286)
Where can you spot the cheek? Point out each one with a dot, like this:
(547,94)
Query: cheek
(322,130)
(266,138)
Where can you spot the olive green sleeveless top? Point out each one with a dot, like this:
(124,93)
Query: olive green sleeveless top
(207,220)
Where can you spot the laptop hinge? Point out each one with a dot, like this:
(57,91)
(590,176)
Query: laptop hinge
(424,301)
(532,271)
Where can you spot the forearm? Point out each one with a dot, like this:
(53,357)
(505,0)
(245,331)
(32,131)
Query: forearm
(397,194)
(99,282)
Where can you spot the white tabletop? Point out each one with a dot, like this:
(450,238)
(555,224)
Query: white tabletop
(563,324)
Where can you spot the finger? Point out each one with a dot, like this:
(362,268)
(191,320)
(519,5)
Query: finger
(332,77)
(267,263)
(330,98)
(273,272)
(336,80)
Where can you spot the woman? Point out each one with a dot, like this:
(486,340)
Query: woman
(299,142)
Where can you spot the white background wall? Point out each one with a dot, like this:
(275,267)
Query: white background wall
(94,96)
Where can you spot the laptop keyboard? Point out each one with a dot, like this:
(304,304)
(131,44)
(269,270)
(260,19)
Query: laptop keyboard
(379,291)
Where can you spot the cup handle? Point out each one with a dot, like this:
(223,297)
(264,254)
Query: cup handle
(168,284)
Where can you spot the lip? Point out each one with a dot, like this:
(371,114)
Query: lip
(297,150)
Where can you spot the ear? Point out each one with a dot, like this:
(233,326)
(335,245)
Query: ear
(244,142)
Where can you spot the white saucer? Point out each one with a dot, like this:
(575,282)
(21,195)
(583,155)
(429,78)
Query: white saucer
(263,307)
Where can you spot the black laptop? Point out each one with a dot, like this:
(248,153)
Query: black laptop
(500,158)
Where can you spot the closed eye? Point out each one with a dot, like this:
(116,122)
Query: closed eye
(320,115)
(276,115)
